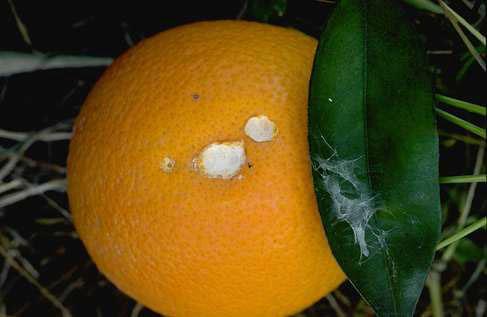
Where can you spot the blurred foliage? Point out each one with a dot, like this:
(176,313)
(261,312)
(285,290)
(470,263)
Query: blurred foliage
(264,10)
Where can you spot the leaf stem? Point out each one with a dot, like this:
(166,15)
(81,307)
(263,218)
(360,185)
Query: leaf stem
(461,104)
(463,233)
(434,288)
(461,179)
(461,123)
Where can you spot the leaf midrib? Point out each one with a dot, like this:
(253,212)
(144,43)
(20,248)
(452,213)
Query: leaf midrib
(390,275)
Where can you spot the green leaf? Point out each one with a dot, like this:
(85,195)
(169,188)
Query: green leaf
(425,5)
(374,149)
(467,251)
(264,10)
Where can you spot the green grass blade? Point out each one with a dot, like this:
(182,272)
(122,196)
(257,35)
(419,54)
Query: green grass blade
(463,22)
(462,138)
(461,104)
(462,123)
(425,5)
(453,17)
(20,25)
(463,233)
(466,66)
(462,179)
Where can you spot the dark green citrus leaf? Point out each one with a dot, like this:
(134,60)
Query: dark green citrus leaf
(374,149)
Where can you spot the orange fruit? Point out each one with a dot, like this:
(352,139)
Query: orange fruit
(182,201)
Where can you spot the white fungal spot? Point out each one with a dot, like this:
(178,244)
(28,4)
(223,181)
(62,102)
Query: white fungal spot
(221,160)
(260,129)
(167,164)
(352,202)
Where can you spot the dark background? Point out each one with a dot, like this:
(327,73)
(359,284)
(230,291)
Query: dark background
(36,229)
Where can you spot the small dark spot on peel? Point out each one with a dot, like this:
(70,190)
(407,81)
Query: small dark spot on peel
(195,97)
(250,165)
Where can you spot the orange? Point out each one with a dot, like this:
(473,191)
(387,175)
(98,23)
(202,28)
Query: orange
(160,228)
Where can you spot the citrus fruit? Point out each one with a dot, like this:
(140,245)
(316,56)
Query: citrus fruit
(189,176)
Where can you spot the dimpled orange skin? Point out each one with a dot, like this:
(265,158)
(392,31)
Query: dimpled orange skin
(181,243)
